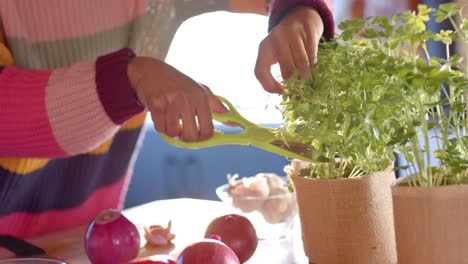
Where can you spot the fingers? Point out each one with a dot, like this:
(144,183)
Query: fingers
(186,116)
(172,118)
(214,103)
(301,58)
(194,112)
(158,114)
(285,59)
(311,43)
(217,106)
(203,112)
(205,122)
(265,59)
(311,50)
(159,121)
(189,124)
(293,44)
(297,53)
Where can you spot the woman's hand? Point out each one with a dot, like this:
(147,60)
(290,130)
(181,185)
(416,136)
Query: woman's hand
(171,96)
(293,44)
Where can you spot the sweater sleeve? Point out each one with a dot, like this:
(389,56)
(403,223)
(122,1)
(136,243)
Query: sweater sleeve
(66,111)
(280,8)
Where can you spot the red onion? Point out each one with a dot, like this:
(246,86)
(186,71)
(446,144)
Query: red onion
(207,251)
(156,259)
(111,238)
(237,232)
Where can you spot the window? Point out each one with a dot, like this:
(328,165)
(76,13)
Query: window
(219,50)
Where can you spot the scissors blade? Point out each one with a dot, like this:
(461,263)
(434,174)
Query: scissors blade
(298,148)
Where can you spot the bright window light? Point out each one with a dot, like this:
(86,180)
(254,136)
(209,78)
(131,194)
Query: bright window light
(219,50)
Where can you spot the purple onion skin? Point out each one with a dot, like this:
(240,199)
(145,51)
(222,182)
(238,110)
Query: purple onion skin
(207,251)
(114,242)
(237,232)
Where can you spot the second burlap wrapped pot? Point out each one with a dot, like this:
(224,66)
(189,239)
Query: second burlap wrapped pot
(431,223)
(347,220)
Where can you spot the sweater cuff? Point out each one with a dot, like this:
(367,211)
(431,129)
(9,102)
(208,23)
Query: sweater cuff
(280,8)
(114,88)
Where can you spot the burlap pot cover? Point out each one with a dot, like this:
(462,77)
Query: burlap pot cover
(431,224)
(347,220)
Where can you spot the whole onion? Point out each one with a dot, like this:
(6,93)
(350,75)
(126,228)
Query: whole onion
(111,238)
(207,251)
(237,232)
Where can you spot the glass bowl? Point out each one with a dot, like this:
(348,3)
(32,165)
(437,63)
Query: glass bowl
(272,216)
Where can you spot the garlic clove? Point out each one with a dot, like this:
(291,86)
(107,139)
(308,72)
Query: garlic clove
(274,181)
(158,235)
(250,186)
(243,189)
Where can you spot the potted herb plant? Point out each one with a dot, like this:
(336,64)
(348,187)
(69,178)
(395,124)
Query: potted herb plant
(349,114)
(431,204)
(376,90)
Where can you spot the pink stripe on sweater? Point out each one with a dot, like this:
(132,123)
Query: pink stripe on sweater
(66,19)
(25,130)
(76,113)
(23,225)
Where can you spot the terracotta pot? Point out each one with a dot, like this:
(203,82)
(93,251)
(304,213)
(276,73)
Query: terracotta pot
(347,220)
(431,224)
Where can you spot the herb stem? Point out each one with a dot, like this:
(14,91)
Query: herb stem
(439,109)
(419,160)
(454,25)
(427,145)
(426,52)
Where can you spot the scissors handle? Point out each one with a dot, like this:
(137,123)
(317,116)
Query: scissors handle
(218,139)
(232,115)
(251,133)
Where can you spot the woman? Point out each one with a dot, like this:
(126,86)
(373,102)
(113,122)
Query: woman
(85,71)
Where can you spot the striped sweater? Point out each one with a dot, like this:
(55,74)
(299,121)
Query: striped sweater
(69,122)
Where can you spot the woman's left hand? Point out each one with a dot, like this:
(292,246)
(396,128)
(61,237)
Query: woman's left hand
(293,44)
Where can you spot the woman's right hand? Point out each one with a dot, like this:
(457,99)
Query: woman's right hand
(171,96)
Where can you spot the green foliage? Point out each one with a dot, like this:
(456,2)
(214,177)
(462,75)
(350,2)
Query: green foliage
(374,88)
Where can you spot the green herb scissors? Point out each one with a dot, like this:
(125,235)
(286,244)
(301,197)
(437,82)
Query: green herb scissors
(252,135)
